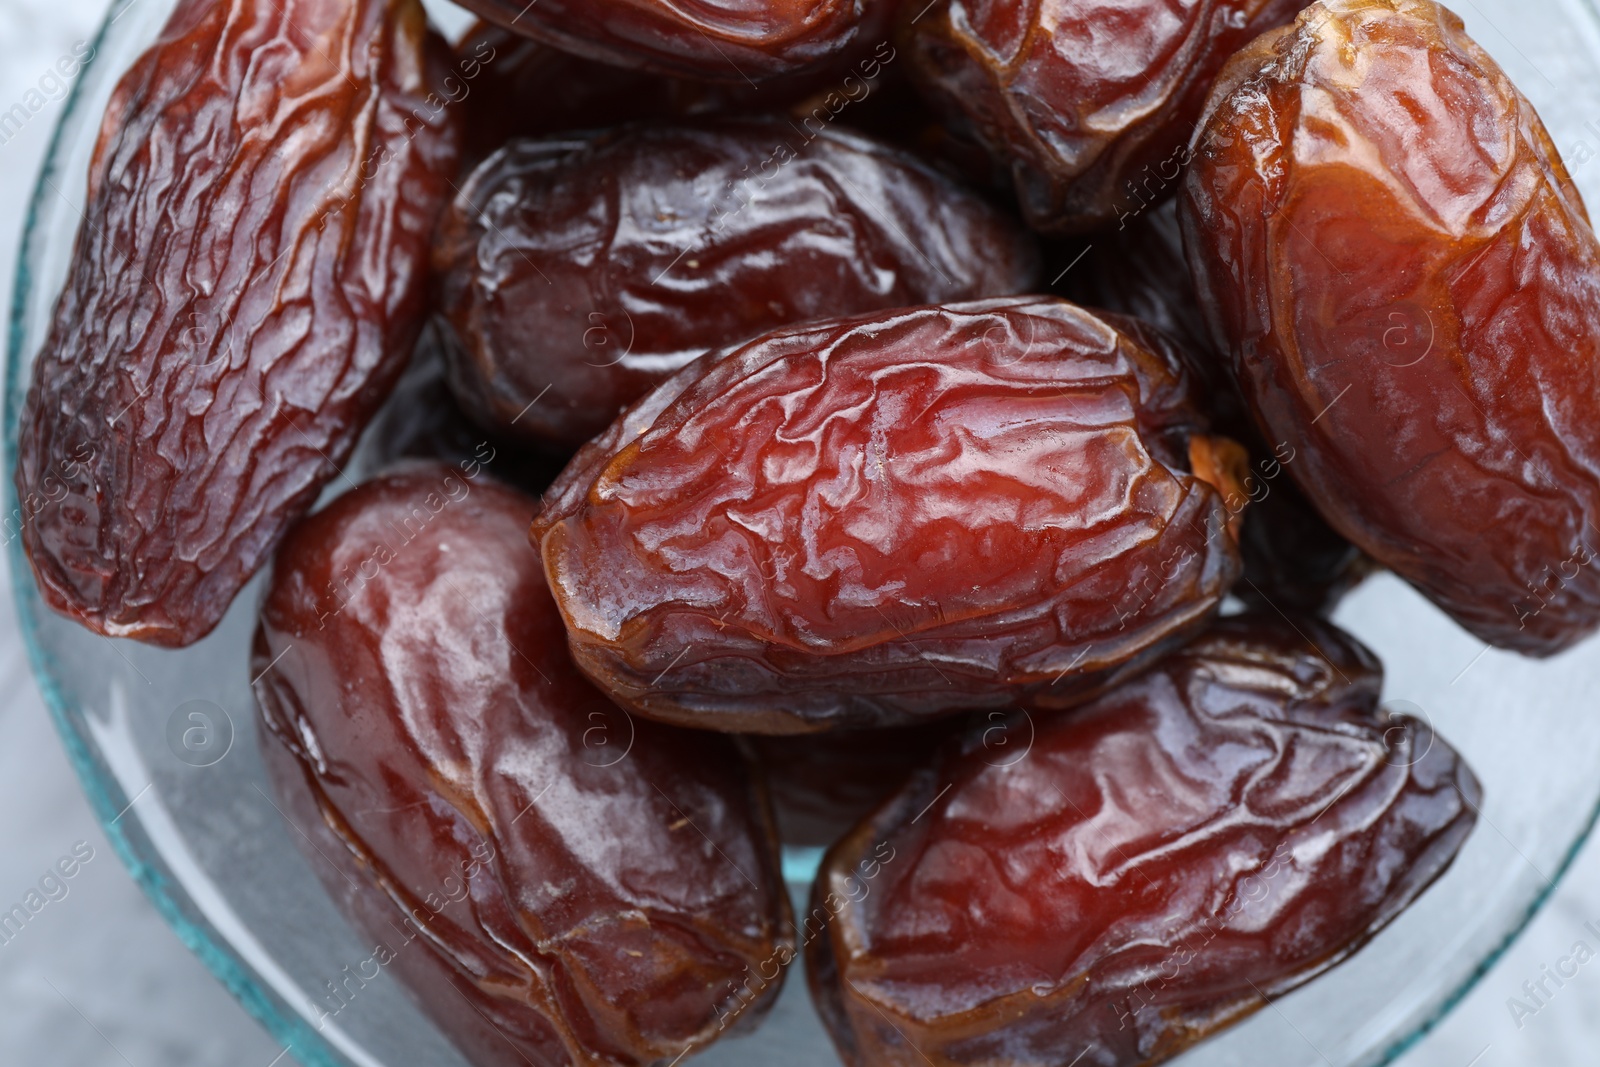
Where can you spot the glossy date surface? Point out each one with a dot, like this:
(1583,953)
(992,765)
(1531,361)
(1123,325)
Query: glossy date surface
(244,290)
(1089,103)
(1408,285)
(884,519)
(557,882)
(577,272)
(721,40)
(1159,863)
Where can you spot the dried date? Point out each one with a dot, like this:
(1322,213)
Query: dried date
(1161,862)
(884,519)
(576,273)
(1408,286)
(244,290)
(524,88)
(556,882)
(1089,105)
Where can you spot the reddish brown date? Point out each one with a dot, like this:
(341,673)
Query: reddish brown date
(720,40)
(1293,560)
(1409,288)
(556,882)
(823,784)
(889,518)
(1159,864)
(575,274)
(243,292)
(1090,105)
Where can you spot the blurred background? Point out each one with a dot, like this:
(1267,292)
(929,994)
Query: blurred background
(97,978)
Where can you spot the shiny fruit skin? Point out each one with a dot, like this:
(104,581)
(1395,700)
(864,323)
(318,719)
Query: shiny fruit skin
(575,273)
(1090,104)
(244,290)
(884,519)
(1158,865)
(592,885)
(1293,560)
(734,41)
(1407,284)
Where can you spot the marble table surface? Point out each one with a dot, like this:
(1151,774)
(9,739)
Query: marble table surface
(98,980)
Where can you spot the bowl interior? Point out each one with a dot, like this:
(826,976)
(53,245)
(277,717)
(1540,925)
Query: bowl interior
(165,742)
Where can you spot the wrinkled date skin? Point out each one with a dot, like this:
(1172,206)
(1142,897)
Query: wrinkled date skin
(1159,864)
(823,784)
(1089,103)
(245,288)
(718,40)
(889,518)
(590,886)
(1409,287)
(576,273)
(1293,560)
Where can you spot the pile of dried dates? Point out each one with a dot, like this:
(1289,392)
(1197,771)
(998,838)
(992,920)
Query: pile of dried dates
(936,431)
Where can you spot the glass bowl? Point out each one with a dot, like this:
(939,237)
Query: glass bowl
(165,743)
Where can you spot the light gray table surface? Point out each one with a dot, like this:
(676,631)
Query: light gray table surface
(98,980)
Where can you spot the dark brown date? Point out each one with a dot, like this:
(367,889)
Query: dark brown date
(720,40)
(575,274)
(823,784)
(1089,105)
(556,882)
(1158,865)
(520,87)
(884,519)
(244,290)
(1407,283)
